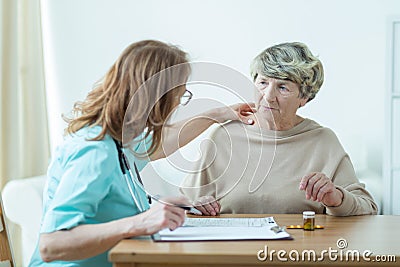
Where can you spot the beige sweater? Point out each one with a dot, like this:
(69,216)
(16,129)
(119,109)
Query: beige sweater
(253,170)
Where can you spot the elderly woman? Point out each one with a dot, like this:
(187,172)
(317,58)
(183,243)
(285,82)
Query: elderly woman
(283,163)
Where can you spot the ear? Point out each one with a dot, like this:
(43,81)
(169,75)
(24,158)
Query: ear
(303,102)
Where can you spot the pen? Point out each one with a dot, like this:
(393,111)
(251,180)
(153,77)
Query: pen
(188,208)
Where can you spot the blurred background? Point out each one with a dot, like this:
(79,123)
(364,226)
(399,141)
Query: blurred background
(53,51)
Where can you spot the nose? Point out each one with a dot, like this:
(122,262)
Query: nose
(269,92)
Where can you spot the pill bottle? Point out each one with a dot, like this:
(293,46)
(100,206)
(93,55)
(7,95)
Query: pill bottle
(308,220)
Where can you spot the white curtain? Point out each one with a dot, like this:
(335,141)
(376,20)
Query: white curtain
(24,138)
(24,146)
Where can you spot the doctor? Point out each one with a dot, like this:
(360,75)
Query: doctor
(92,197)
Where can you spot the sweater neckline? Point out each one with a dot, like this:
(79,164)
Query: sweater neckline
(281,134)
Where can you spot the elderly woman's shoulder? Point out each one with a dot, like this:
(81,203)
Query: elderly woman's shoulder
(231,126)
(322,132)
(230,130)
(327,139)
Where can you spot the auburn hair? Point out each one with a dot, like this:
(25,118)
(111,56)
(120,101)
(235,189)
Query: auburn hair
(144,83)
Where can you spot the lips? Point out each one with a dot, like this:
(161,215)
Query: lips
(266,108)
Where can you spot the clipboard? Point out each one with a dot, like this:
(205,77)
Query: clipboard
(220,229)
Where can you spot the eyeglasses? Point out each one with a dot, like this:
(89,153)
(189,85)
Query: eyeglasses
(185,98)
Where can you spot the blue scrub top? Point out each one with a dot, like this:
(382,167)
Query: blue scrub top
(85,185)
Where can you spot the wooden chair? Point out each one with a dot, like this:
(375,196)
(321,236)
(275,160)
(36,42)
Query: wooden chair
(6,257)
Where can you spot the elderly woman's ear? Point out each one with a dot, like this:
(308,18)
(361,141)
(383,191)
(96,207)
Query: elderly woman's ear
(303,102)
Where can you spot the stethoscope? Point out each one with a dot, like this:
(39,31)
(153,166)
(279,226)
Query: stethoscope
(129,178)
(138,183)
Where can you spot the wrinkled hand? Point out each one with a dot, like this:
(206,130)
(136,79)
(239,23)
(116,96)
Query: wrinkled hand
(207,205)
(239,112)
(318,187)
(163,215)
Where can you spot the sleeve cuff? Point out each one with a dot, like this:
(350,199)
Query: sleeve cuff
(344,208)
(55,221)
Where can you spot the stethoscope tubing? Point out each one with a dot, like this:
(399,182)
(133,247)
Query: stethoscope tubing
(138,202)
(129,177)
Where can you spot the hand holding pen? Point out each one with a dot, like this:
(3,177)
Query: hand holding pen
(186,206)
(158,217)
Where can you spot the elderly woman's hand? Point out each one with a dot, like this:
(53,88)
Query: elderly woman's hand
(207,205)
(318,187)
(240,112)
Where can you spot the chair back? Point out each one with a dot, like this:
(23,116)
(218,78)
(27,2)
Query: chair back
(6,257)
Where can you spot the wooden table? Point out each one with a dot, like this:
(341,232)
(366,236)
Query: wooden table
(377,238)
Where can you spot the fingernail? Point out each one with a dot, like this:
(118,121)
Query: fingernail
(250,121)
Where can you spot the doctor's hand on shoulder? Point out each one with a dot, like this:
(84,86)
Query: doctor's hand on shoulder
(239,112)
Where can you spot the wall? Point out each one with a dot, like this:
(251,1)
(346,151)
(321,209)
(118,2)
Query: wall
(83,38)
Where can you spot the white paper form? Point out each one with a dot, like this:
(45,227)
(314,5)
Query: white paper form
(203,229)
(230,222)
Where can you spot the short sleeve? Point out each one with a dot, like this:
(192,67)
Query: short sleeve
(80,178)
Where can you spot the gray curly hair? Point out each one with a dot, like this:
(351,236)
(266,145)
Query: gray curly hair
(293,62)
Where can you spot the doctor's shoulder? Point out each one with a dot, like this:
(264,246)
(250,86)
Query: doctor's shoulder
(79,146)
